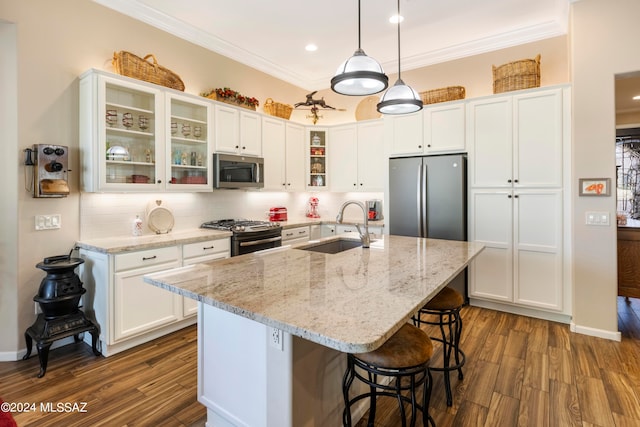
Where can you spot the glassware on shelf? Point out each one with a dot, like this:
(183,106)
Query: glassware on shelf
(112,117)
(127,120)
(143,122)
(186,130)
(197,131)
(174,128)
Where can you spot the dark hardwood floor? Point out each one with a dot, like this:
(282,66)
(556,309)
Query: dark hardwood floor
(520,372)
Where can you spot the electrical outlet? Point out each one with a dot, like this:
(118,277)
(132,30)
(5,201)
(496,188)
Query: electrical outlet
(48,222)
(276,338)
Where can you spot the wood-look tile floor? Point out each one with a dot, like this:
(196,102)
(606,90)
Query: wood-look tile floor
(519,372)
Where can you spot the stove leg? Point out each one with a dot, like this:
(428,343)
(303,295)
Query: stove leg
(94,342)
(43,355)
(29,341)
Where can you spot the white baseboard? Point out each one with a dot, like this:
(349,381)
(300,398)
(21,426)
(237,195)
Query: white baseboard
(600,333)
(13,356)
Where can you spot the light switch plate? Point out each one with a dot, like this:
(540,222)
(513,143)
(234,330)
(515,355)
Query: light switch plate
(597,218)
(48,222)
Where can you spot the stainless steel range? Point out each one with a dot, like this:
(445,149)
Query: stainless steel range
(249,236)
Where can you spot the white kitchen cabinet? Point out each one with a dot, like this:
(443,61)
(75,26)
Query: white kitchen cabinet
(283,152)
(138,307)
(136,118)
(518,184)
(444,128)
(343,160)
(517,140)
(130,311)
(349,228)
(404,134)
(237,131)
(194,253)
(317,153)
(355,162)
(522,233)
(293,236)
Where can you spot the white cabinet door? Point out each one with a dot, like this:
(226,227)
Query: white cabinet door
(139,307)
(371,162)
(491,273)
(227,129)
(343,158)
(274,152)
(250,134)
(538,136)
(404,133)
(295,159)
(292,236)
(444,128)
(522,259)
(490,141)
(538,248)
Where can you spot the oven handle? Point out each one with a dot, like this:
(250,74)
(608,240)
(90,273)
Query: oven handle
(258,242)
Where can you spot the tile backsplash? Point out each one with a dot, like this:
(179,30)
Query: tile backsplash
(111,214)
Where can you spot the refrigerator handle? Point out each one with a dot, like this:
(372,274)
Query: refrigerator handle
(423,201)
(419,199)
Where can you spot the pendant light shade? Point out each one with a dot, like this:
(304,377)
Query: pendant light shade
(400,98)
(360,74)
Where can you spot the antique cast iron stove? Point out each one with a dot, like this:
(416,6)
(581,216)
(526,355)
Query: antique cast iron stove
(58,296)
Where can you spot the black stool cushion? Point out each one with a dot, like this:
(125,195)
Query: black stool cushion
(447,299)
(408,347)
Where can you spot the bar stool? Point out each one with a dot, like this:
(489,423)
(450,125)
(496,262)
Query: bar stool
(445,306)
(405,356)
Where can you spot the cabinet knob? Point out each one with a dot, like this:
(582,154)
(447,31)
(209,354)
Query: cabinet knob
(509,196)
(515,196)
(419,146)
(244,148)
(288,183)
(354,184)
(428,145)
(509,181)
(159,181)
(237,146)
(361,184)
(515,180)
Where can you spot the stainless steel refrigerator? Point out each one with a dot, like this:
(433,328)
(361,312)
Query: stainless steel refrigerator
(428,198)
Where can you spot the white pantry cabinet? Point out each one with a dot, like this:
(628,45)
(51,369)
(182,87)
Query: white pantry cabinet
(237,131)
(162,136)
(130,311)
(356,161)
(518,171)
(283,152)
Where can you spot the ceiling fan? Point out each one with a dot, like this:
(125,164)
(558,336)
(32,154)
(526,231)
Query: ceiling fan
(314,106)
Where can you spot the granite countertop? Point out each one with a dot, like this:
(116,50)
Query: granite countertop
(119,244)
(352,301)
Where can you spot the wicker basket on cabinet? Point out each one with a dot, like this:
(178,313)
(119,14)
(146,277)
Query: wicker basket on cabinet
(516,75)
(130,65)
(450,93)
(277,109)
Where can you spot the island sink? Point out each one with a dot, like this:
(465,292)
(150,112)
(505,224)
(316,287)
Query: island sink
(333,246)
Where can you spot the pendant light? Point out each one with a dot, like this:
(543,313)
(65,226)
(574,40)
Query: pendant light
(360,74)
(400,98)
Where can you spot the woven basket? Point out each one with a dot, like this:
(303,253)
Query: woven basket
(130,65)
(516,75)
(450,93)
(277,109)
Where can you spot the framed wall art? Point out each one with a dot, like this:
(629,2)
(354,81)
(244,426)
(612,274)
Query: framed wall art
(595,186)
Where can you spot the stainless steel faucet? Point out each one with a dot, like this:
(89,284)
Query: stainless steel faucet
(364,237)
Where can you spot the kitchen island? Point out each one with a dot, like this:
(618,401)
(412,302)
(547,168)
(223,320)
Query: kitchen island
(272,326)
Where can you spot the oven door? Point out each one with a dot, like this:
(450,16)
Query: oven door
(245,243)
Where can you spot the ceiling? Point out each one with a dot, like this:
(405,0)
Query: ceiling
(270,36)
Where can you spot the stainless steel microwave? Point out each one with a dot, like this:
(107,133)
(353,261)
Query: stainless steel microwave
(236,171)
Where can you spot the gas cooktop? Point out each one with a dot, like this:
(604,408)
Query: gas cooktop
(240,225)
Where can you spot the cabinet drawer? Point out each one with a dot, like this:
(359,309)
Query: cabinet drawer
(205,248)
(146,258)
(295,233)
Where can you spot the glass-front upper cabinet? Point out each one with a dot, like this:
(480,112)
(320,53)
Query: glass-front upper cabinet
(132,133)
(188,147)
(317,159)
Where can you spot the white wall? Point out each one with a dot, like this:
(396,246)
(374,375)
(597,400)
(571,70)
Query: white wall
(604,35)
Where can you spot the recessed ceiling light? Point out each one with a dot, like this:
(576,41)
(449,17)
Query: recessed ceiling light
(396,18)
(311,47)
(636,98)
